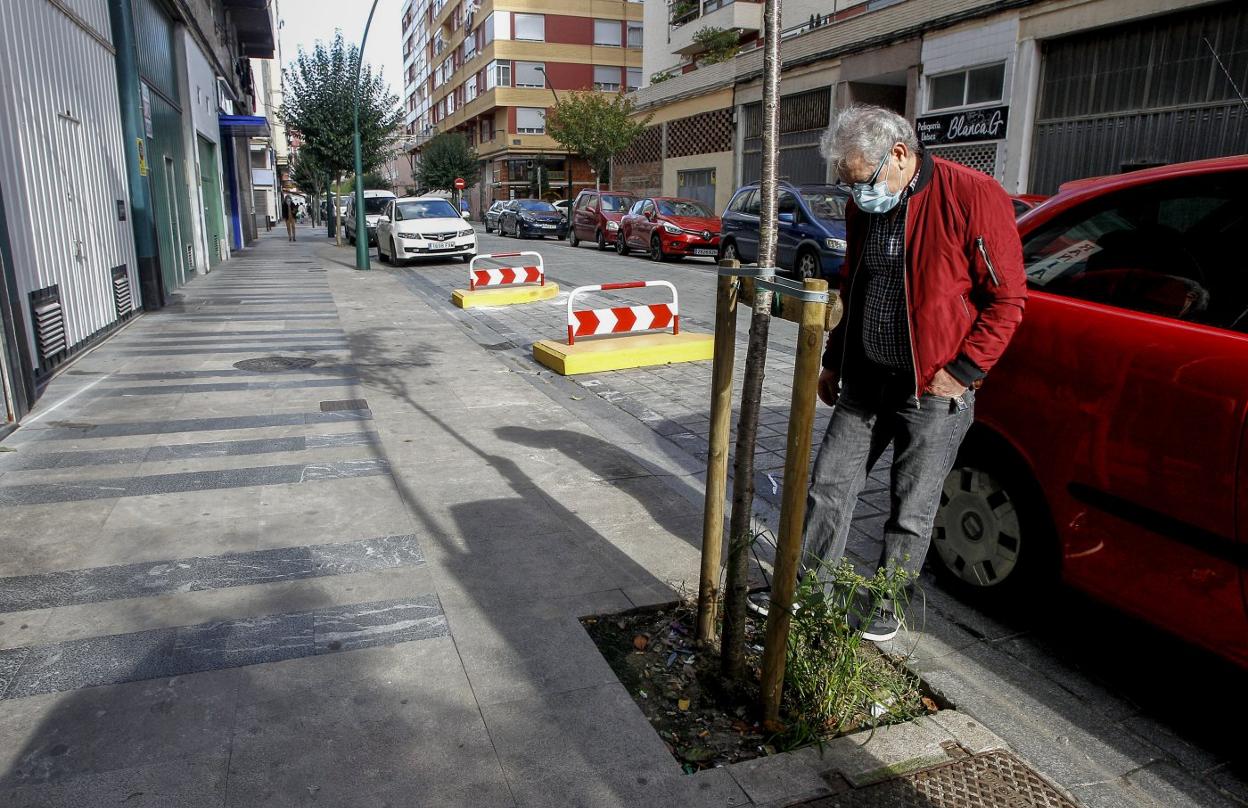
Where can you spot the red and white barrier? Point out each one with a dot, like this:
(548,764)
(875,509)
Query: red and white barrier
(502,276)
(621,319)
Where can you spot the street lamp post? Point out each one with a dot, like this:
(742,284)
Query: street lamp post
(361,224)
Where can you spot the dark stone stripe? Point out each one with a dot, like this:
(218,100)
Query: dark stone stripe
(209,339)
(117,487)
(167,652)
(27,461)
(235,349)
(69,429)
(161,375)
(220,387)
(179,335)
(75,587)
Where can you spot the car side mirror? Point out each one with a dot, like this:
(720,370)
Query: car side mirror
(787,218)
(467,214)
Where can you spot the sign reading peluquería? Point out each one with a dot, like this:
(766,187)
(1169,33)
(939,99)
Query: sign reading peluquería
(967,126)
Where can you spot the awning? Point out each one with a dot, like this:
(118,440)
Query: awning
(243,125)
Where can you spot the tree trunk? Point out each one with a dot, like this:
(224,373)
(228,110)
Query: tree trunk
(337,214)
(732,644)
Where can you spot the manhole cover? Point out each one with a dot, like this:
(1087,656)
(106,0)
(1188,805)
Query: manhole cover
(273,364)
(344,404)
(991,780)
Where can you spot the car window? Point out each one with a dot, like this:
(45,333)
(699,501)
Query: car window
(615,204)
(375,204)
(737,205)
(535,205)
(825,203)
(787,203)
(1166,248)
(647,207)
(428,209)
(635,210)
(682,207)
(750,205)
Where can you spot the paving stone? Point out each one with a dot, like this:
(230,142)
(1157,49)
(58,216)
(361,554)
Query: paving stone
(784,778)
(870,756)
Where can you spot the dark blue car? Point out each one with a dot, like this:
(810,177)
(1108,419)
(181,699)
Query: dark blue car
(811,240)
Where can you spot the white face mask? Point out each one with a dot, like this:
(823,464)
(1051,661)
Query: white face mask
(874,197)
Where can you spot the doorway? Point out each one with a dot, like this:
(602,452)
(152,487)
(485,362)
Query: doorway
(697,184)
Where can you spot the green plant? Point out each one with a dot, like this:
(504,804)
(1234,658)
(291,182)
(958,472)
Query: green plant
(717,44)
(445,158)
(661,76)
(682,11)
(834,683)
(595,126)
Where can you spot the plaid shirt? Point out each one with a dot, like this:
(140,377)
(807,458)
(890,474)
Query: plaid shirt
(885,322)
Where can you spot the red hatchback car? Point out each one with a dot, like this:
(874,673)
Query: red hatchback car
(667,228)
(1111,442)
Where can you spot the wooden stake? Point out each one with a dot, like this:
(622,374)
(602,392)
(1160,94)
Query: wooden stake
(717,460)
(793,499)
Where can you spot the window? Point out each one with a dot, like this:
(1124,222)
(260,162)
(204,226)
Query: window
(607,32)
(746,203)
(607,79)
(487,31)
(531,27)
(612,203)
(497,74)
(426,209)
(979,85)
(635,34)
(529,74)
(470,89)
(635,210)
(685,208)
(634,78)
(530,121)
(1165,249)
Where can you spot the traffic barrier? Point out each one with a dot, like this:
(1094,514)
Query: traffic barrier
(620,352)
(504,286)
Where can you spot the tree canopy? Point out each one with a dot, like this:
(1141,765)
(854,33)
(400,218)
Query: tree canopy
(319,95)
(443,158)
(595,126)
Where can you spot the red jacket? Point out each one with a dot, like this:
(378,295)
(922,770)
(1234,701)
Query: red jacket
(965,285)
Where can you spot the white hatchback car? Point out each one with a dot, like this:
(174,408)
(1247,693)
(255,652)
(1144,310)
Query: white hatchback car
(424,227)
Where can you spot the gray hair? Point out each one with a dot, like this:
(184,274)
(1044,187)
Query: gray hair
(866,131)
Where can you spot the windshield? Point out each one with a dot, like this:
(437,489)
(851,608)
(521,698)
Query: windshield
(825,203)
(681,207)
(616,204)
(535,204)
(428,209)
(374,205)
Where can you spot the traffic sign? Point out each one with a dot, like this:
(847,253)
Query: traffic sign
(459,183)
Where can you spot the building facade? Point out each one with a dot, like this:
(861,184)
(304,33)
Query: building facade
(492,70)
(1033,92)
(111,191)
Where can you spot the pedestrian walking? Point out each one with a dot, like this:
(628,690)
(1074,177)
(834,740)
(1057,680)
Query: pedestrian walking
(933,290)
(288,213)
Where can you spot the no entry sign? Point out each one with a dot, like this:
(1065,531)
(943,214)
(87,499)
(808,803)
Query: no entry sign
(459,183)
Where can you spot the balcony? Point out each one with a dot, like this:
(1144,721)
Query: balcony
(691,16)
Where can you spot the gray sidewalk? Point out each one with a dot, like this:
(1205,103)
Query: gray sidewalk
(356,581)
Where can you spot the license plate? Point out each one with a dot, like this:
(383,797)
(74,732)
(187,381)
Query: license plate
(706,252)
(441,245)
(547,226)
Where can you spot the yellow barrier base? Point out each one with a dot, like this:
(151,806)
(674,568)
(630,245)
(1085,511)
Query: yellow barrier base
(594,355)
(506,296)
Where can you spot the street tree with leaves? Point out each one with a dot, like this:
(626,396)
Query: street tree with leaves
(444,158)
(319,96)
(595,126)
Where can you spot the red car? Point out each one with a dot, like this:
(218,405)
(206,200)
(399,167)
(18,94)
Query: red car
(1025,202)
(1111,442)
(596,217)
(668,228)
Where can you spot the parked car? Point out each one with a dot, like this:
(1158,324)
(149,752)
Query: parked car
(424,227)
(1109,441)
(524,218)
(1025,202)
(491,216)
(596,217)
(811,237)
(375,203)
(668,228)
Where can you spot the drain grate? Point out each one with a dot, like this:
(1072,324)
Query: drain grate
(274,364)
(344,404)
(991,780)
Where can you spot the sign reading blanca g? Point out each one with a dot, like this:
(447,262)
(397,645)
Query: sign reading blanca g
(968,126)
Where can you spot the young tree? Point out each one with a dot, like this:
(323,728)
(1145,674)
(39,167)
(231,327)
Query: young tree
(319,96)
(444,158)
(595,127)
(374,181)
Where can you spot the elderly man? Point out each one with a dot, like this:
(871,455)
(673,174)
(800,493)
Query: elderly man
(934,289)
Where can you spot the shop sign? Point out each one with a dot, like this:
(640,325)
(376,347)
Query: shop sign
(967,126)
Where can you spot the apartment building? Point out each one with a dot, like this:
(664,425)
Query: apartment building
(492,70)
(1033,92)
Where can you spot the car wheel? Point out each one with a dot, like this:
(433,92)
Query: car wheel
(488,229)
(807,265)
(621,243)
(656,249)
(729,252)
(467,258)
(993,535)
(572,239)
(395,256)
(601,238)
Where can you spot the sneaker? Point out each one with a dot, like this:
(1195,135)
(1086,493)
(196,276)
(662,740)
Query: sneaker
(760,604)
(882,626)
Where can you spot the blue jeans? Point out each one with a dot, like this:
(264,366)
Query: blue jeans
(871,413)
